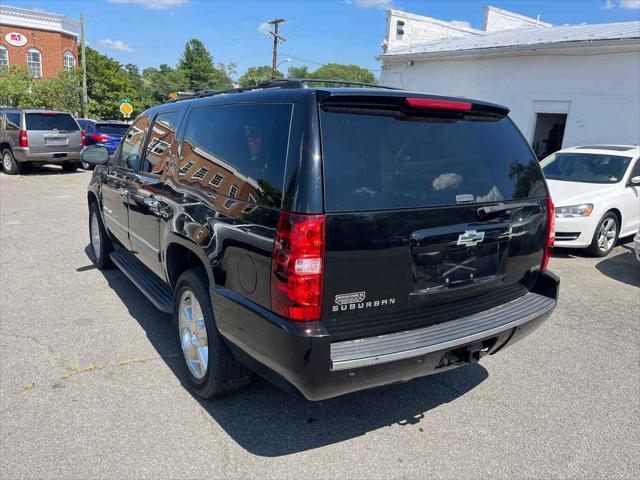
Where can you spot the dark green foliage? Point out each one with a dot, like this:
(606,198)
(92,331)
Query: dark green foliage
(109,82)
(255,75)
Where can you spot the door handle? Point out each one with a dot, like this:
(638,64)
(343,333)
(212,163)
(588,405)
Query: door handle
(151,202)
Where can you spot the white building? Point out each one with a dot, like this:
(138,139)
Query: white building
(565,85)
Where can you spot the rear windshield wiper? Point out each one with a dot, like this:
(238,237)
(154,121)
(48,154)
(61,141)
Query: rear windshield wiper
(490,210)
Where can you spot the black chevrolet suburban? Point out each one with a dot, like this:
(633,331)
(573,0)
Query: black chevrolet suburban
(331,239)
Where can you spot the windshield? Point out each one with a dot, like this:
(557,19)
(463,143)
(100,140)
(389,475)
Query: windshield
(384,162)
(51,121)
(585,167)
(112,128)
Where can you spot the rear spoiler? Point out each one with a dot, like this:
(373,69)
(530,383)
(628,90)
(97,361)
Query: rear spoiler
(413,105)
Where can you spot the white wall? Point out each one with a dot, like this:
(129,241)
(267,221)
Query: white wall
(419,29)
(601,92)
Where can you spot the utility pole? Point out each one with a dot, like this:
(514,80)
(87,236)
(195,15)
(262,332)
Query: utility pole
(276,38)
(84,68)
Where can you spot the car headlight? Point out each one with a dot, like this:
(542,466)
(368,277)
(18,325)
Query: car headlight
(583,210)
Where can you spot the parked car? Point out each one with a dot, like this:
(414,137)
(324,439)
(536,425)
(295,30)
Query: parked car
(107,133)
(330,239)
(39,137)
(596,190)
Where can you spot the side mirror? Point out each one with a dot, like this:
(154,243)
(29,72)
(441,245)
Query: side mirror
(95,154)
(635,181)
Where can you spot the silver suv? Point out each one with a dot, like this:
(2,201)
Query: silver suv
(39,137)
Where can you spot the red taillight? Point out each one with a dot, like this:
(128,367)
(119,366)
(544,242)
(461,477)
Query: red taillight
(84,138)
(551,234)
(297,266)
(97,137)
(23,141)
(435,104)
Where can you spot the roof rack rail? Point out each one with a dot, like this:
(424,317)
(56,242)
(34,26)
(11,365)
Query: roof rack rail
(300,82)
(277,83)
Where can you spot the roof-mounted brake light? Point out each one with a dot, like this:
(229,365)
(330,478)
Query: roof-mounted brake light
(435,104)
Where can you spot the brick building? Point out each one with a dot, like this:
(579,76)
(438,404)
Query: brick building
(45,43)
(226,188)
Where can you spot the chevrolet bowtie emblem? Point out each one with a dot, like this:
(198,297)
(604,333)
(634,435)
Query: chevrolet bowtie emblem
(470,238)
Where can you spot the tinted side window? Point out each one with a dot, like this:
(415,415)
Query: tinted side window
(160,139)
(13,121)
(131,150)
(237,151)
(636,169)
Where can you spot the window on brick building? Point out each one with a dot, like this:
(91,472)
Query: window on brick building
(34,62)
(4,57)
(69,61)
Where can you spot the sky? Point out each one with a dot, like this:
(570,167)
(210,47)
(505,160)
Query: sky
(152,32)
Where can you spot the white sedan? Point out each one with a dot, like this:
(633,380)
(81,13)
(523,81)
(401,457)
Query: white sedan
(596,192)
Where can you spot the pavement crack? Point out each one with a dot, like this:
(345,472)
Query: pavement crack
(88,368)
(72,371)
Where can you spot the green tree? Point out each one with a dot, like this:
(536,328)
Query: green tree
(255,75)
(136,78)
(15,86)
(19,90)
(160,82)
(299,72)
(108,83)
(340,71)
(197,65)
(228,69)
(61,93)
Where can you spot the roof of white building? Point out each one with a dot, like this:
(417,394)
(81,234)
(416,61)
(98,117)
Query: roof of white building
(525,37)
(53,22)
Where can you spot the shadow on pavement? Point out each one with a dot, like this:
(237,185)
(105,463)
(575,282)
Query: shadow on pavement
(626,243)
(623,268)
(43,170)
(268,421)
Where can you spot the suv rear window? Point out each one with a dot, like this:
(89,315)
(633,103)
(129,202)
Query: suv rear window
(112,128)
(374,162)
(51,121)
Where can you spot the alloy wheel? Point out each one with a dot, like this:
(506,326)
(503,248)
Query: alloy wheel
(193,334)
(7,161)
(607,235)
(95,235)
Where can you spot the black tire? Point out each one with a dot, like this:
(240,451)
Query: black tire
(70,167)
(594,249)
(101,258)
(9,164)
(224,374)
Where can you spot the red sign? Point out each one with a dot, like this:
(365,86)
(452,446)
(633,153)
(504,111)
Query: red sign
(16,39)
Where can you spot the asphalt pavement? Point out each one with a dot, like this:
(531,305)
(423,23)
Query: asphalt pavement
(91,385)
